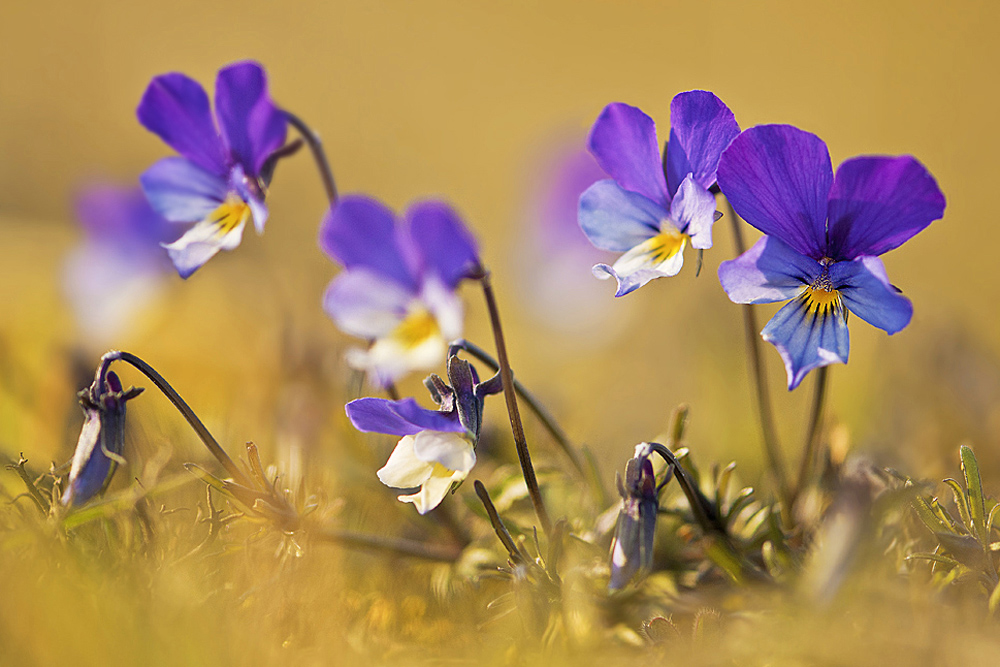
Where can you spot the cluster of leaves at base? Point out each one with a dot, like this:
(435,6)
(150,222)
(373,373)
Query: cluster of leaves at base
(965,551)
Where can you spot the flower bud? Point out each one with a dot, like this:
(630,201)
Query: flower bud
(102,440)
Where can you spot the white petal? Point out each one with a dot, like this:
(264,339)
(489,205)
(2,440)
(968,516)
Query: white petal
(434,490)
(221,230)
(404,470)
(445,306)
(451,450)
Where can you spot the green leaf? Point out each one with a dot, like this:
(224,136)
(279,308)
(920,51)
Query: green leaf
(977,502)
(936,558)
(925,512)
(722,485)
(962,502)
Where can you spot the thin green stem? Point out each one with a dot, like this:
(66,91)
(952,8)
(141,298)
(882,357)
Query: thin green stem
(543,415)
(398,546)
(813,431)
(192,419)
(772,448)
(510,396)
(316,146)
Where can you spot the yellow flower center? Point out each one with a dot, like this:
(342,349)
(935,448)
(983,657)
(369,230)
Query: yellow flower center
(821,296)
(419,326)
(662,247)
(229,215)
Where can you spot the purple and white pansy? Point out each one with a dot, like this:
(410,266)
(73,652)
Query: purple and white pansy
(120,266)
(216,182)
(398,289)
(434,453)
(824,234)
(650,209)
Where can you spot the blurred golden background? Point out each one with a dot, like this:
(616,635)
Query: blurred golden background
(470,101)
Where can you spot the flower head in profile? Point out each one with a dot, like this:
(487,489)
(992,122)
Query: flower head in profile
(102,439)
(650,209)
(632,546)
(824,235)
(398,290)
(437,449)
(120,263)
(218,181)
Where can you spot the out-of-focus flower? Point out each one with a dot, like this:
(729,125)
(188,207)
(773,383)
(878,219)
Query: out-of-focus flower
(438,447)
(632,546)
(646,213)
(216,183)
(824,234)
(102,439)
(552,259)
(120,265)
(399,287)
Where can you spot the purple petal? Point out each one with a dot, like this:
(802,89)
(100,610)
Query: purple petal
(778,178)
(877,203)
(91,464)
(808,338)
(701,127)
(361,232)
(249,192)
(615,219)
(624,142)
(366,304)
(769,271)
(693,211)
(867,293)
(446,245)
(405,417)
(181,191)
(122,216)
(175,107)
(252,126)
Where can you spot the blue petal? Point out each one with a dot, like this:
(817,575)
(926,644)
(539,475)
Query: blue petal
(878,203)
(807,339)
(867,293)
(769,271)
(445,243)
(405,417)
(778,179)
(181,191)
(701,127)
(624,142)
(249,192)
(252,126)
(615,219)
(175,107)
(693,211)
(366,304)
(361,232)
(92,465)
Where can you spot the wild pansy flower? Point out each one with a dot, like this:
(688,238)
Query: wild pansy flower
(438,447)
(120,264)
(398,289)
(824,234)
(216,183)
(632,546)
(102,439)
(652,209)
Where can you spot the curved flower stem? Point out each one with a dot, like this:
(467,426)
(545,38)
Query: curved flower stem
(316,146)
(813,431)
(182,407)
(509,394)
(399,546)
(543,415)
(772,448)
